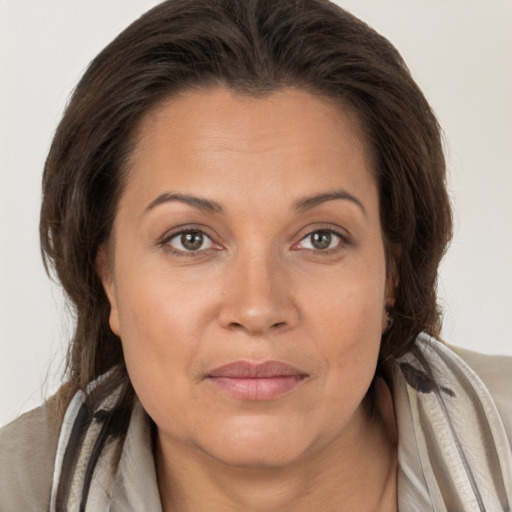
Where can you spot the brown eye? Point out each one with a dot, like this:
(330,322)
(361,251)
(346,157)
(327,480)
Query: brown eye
(321,239)
(190,241)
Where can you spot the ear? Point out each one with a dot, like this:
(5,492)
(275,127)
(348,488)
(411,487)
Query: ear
(105,271)
(392,280)
(392,276)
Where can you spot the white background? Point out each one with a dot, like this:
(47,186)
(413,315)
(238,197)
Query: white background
(459,51)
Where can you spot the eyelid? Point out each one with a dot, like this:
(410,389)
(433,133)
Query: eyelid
(177,231)
(344,239)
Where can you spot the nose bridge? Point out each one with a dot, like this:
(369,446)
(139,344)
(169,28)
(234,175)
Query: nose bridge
(258,294)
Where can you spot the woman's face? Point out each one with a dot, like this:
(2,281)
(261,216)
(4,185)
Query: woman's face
(249,233)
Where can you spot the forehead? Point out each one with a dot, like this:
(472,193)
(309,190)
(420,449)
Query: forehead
(215,141)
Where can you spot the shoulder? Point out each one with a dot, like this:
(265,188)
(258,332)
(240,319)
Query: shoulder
(496,373)
(27,452)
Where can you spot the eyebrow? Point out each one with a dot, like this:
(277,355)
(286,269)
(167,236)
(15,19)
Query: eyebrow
(307,203)
(208,206)
(200,203)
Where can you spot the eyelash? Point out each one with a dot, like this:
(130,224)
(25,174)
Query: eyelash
(343,241)
(165,242)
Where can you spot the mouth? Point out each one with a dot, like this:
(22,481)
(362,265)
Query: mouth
(256,381)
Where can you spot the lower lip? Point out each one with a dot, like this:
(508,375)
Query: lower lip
(256,389)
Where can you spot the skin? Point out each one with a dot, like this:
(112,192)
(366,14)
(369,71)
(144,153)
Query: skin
(257,289)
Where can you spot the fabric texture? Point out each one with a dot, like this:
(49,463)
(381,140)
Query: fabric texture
(454,448)
(27,458)
(454,451)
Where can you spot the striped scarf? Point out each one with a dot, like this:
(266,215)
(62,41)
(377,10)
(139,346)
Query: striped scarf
(453,453)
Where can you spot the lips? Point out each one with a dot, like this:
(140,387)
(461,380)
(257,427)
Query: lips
(256,381)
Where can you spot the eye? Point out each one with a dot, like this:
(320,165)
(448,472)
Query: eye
(321,240)
(189,241)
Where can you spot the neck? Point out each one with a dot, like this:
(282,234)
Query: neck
(357,471)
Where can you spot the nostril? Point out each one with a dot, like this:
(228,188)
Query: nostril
(236,326)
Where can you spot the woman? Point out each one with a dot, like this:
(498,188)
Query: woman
(246,203)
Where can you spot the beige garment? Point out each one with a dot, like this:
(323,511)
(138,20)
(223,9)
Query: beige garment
(27,457)
(454,451)
(28,447)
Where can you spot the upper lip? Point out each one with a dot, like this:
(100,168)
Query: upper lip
(250,370)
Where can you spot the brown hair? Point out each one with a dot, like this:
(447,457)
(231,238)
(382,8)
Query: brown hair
(253,47)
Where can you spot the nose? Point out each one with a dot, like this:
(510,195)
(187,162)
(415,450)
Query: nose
(258,297)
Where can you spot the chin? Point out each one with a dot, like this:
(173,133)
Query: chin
(257,446)
(252,457)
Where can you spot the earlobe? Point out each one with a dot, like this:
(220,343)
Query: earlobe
(387,319)
(390,297)
(392,278)
(387,314)
(114,321)
(104,270)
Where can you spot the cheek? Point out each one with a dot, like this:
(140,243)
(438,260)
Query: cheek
(160,321)
(344,317)
(348,304)
(157,304)
(159,349)
(160,327)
